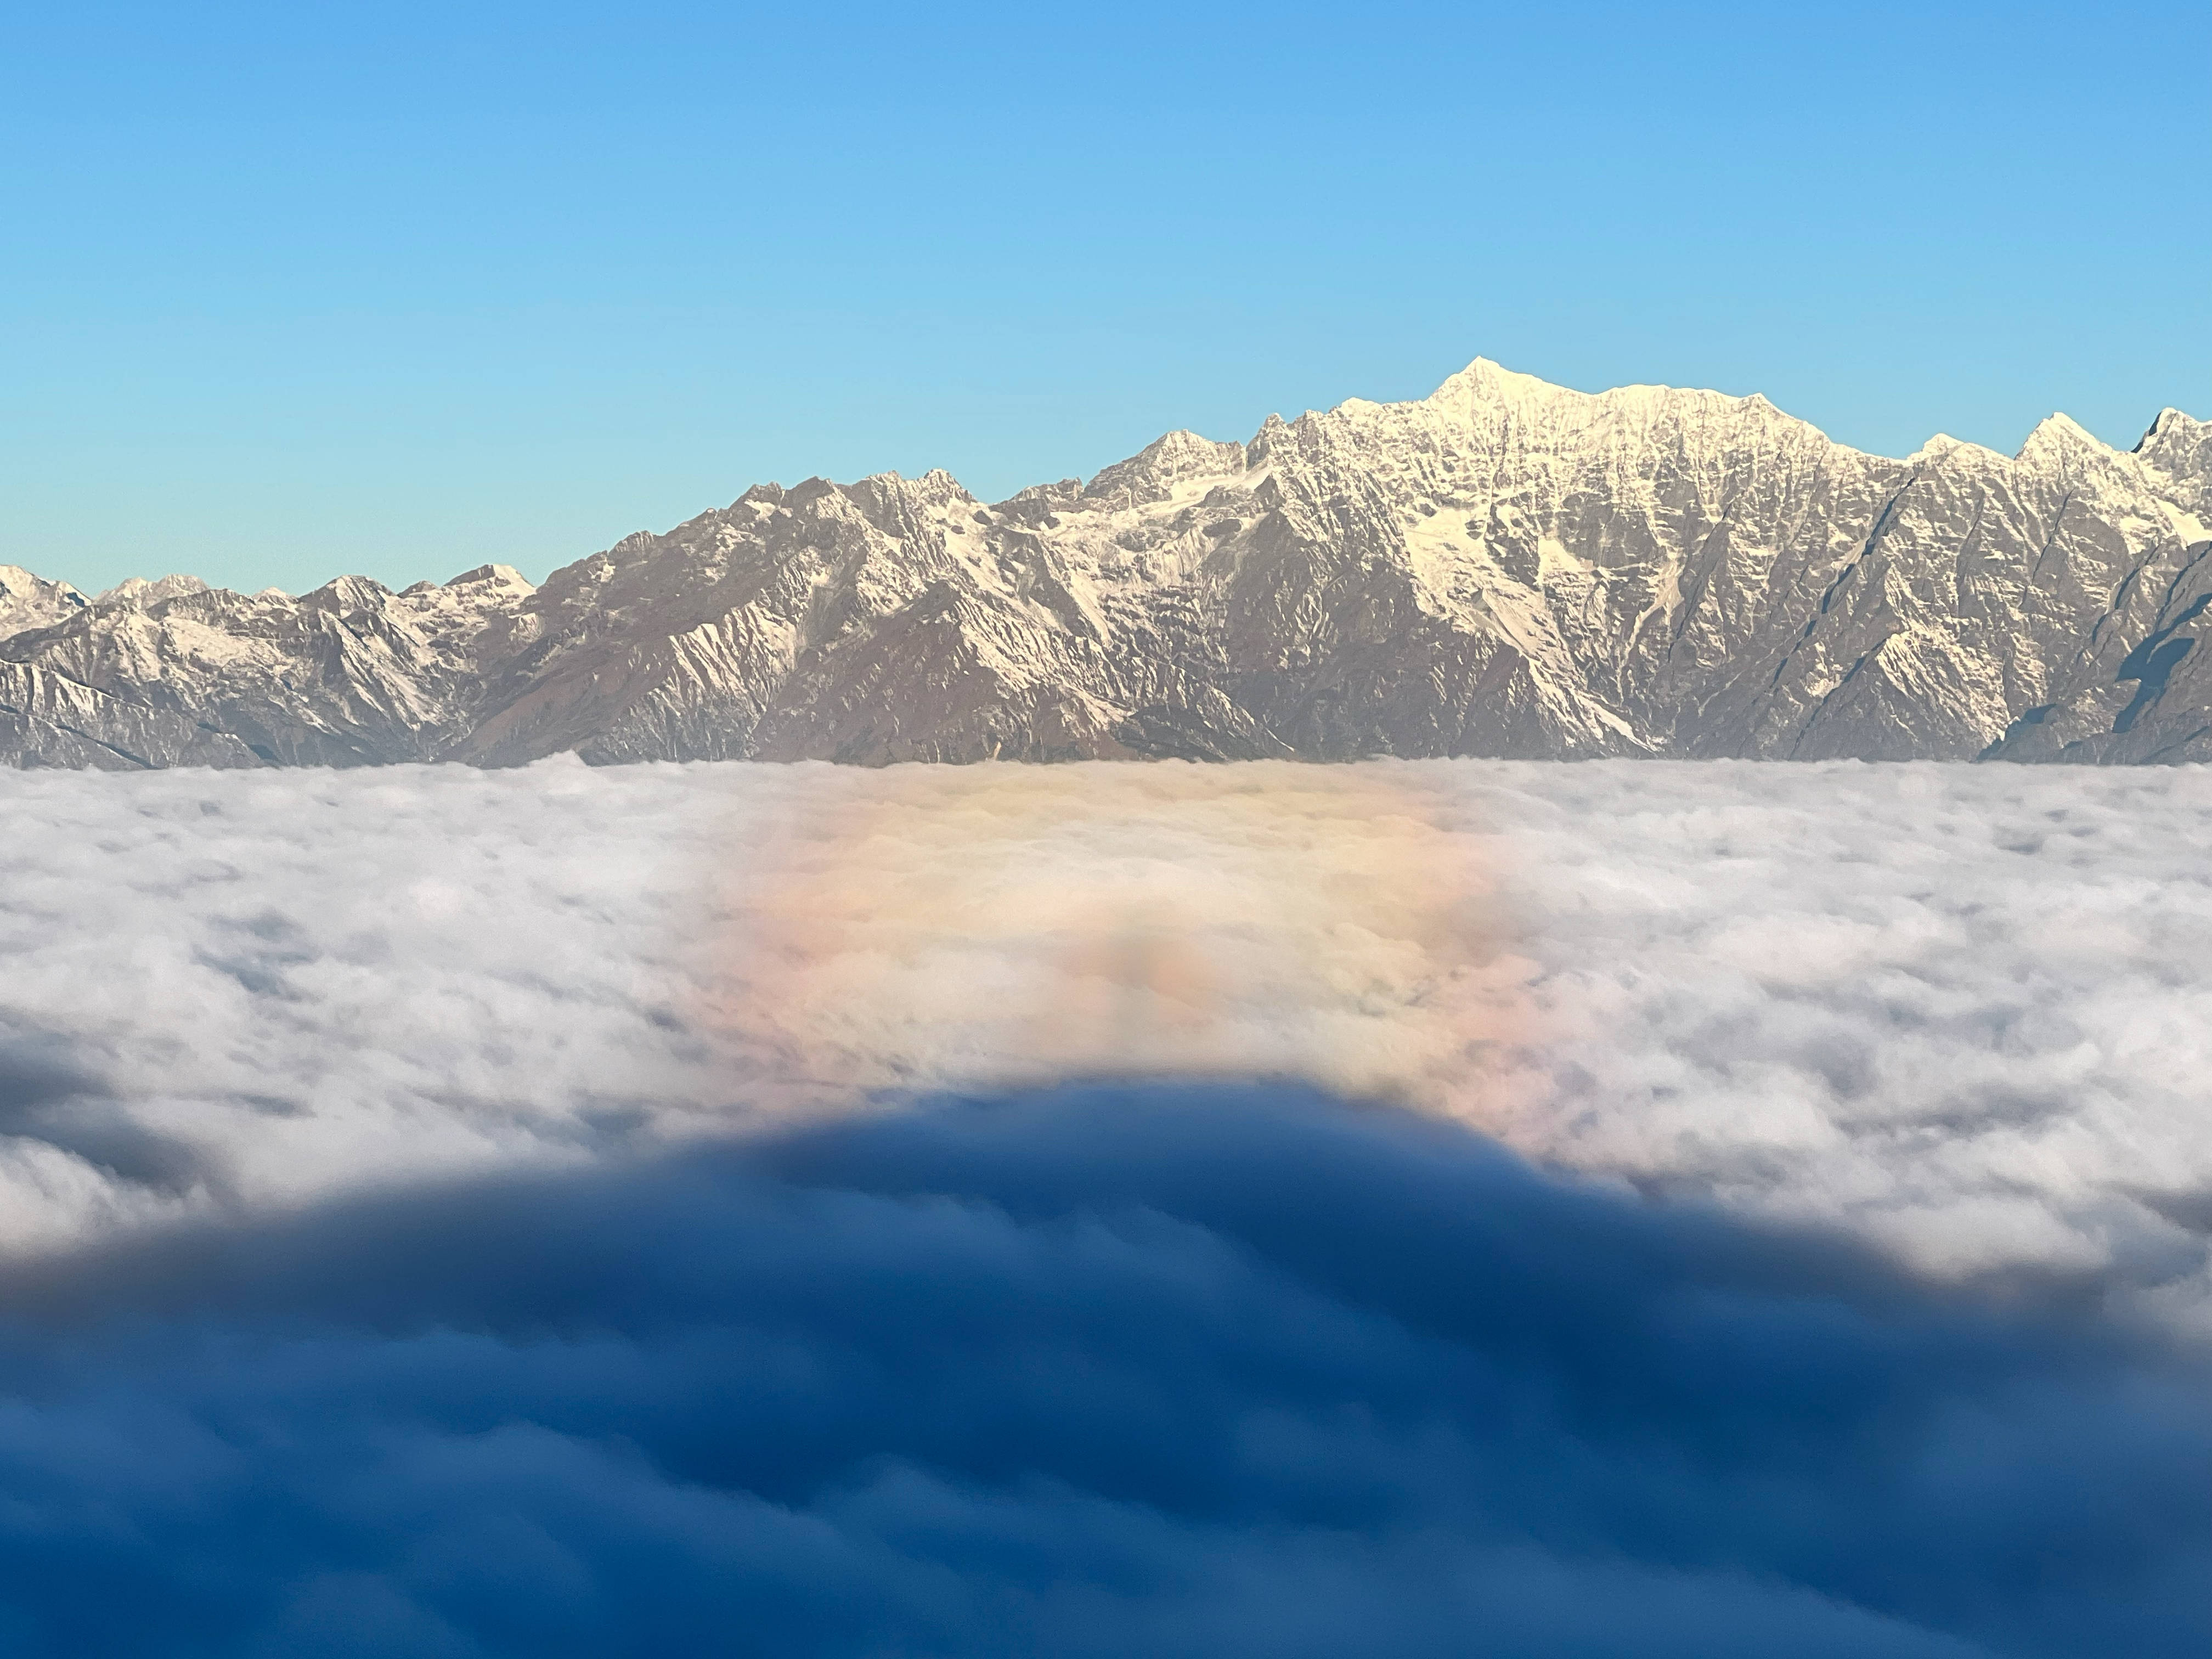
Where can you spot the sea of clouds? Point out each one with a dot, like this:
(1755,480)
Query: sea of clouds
(1964,1010)
(1430,1207)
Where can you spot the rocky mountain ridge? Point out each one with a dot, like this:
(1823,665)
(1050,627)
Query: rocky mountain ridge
(1505,568)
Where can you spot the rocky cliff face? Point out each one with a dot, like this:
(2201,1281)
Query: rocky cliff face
(1504,568)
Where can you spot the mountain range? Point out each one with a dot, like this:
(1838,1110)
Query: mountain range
(1505,568)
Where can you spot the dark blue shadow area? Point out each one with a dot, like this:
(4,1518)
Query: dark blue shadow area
(1115,1371)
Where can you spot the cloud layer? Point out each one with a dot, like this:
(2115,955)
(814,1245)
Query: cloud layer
(1118,1370)
(447,1212)
(1962,1010)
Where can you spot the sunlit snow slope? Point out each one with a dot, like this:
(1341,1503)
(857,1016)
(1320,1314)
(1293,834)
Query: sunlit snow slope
(1505,568)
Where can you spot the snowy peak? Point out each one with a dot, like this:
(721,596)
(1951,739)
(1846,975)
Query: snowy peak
(1943,446)
(1483,381)
(491,578)
(1153,473)
(2059,438)
(141,594)
(28,601)
(2179,451)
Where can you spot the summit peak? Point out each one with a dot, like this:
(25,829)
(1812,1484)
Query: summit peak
(1487,379)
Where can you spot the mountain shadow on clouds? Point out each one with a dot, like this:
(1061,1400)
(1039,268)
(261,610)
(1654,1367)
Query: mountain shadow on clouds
(1148,1370)
(46,1098)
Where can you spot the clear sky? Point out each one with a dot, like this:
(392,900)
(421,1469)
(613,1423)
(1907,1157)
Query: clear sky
(289,290)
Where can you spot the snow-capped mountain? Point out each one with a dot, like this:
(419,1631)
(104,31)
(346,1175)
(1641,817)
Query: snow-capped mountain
(1505,568)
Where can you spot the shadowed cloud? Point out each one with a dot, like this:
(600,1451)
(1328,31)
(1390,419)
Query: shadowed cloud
(1158,1370)
(45,1099)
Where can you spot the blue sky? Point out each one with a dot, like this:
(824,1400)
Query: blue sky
(288,290)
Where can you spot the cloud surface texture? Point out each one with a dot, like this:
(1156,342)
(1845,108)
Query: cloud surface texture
(449,1212)
(1159,1369)
(1962,1010)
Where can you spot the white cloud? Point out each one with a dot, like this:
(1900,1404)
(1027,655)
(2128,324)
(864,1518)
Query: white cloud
(1965,1008)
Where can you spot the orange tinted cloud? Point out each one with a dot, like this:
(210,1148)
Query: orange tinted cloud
(926,927)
